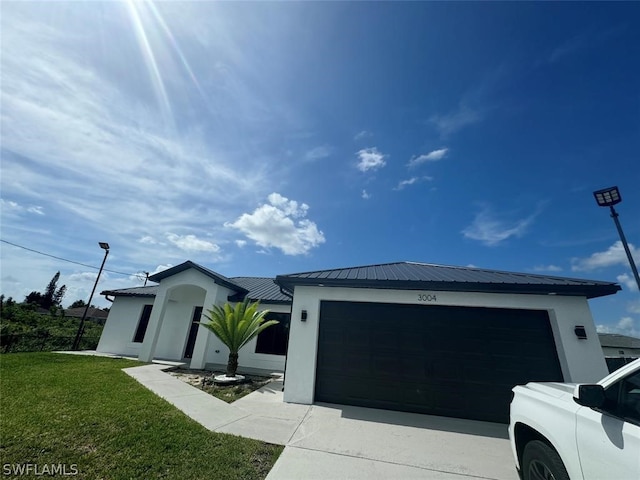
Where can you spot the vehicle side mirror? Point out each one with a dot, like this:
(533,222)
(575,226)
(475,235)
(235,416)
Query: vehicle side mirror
(589,395)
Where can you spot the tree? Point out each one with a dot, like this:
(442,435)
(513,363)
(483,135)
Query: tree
(33,298)
(78,304)
(235,326)
(52,297)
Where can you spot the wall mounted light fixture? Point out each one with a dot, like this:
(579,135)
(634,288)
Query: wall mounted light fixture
(303,315)
(580,332)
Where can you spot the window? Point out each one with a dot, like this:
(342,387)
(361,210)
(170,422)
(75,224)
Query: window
(623,398)
(143,324)
(274,339)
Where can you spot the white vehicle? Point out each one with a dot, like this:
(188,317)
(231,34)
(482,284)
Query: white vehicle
(561,431)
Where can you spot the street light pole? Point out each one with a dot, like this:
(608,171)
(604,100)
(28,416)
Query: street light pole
(608,197)
(76,342)
(614,215)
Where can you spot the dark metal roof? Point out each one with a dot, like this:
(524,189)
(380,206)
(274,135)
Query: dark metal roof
(219,279)
(424,276)
(613,340)
(92,312)
(263,289)
(132,292)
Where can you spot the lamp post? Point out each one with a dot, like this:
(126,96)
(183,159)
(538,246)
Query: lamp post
(608,197)
(76,342)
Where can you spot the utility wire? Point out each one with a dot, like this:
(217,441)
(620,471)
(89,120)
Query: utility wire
(67,260)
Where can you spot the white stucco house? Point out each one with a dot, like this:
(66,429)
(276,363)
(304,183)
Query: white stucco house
(407,336)
(159,322)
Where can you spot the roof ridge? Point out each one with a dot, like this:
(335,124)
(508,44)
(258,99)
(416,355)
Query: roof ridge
(251,276)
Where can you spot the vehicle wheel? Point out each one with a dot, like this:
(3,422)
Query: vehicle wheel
(541,462)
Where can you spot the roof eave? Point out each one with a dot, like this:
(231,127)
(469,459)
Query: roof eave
(588,291)
(115,293)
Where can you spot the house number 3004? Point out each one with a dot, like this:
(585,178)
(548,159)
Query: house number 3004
(424,297)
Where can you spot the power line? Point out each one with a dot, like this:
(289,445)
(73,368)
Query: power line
(66,260)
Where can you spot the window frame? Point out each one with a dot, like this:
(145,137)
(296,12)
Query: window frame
(615,395)
(262,348)
(143,324)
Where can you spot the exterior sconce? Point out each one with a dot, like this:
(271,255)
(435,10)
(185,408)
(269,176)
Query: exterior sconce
(303,316)
(580,332)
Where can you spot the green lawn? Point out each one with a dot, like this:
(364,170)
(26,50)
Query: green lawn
(84,411)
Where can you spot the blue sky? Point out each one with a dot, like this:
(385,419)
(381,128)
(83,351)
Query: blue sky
(271,138)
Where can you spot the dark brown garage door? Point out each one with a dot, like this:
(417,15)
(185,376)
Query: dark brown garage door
(441,360)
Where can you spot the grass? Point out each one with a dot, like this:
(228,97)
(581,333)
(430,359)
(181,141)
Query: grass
(84,411)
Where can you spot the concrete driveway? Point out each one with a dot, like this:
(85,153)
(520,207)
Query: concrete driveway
(325,441)
(337,441)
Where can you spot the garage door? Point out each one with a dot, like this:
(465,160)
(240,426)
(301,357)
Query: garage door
(440,360)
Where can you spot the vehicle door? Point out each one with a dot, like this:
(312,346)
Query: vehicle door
(608,438)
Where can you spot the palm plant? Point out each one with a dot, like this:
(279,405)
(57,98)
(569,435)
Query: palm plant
(235,326)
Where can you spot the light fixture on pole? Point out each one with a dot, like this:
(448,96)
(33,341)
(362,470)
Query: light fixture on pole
(76,342)
(608,197)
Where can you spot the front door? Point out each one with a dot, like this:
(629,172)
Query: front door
(193,332)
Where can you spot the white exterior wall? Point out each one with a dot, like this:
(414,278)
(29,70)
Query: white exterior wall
(247,357)
(615,352)
(580,360)
(120,327)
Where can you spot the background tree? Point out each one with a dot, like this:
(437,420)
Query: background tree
(52,296)
(235,326)
(78,304)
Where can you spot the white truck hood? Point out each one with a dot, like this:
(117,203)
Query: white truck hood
(554,389)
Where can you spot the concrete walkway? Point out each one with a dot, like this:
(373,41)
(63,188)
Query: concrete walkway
(336,441)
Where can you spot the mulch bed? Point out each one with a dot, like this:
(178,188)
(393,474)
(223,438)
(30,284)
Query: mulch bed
(203,379)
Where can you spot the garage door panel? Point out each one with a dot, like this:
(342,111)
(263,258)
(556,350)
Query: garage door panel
(455,361)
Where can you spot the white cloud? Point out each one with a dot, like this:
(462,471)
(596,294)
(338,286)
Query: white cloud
(613,256)
(432,156)
(9,204)
(634,307)
(455,120)
(161,268)
(148,240)
(626,326)
(366,195)
(362,134)
(491,230)
(280,224)
(370,159)
(37,210)
(191,243)
(11,207)
(411,181)
(288,207)
(628,281)
(547,268)
(87,277)
(318,153)
(241,243)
